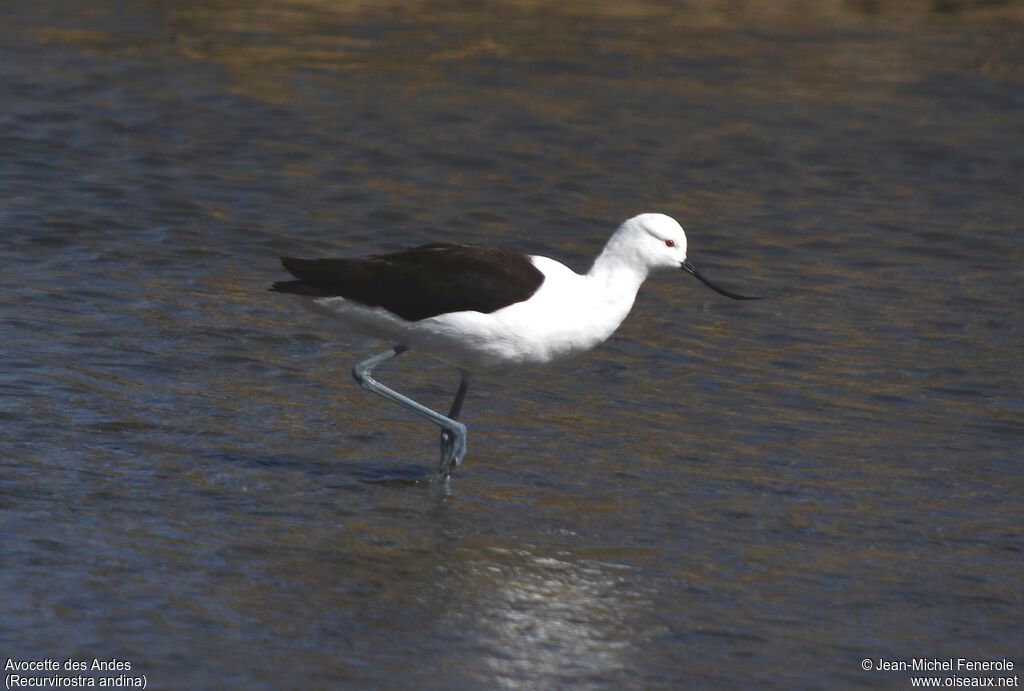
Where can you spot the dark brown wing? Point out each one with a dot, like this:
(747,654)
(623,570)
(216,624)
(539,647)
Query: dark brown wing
(421,282)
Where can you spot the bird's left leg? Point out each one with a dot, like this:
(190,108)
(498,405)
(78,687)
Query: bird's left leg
(363,373)
(449,460)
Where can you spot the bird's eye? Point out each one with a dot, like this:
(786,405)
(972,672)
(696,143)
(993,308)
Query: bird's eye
(670,243)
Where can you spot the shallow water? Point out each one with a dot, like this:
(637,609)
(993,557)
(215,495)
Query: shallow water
(723,495)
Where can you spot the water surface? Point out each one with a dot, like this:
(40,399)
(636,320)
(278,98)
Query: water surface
(723,495)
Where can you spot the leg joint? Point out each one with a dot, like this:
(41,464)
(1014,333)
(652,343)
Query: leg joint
(360,373)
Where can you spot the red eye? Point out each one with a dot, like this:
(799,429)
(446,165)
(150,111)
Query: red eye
(670,243)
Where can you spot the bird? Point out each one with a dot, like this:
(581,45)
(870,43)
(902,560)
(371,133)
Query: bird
(485,309)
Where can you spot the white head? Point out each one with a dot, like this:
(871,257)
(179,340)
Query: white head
(652,241)
(649,241)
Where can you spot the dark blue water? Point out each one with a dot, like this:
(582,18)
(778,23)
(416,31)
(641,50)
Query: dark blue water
(723,495)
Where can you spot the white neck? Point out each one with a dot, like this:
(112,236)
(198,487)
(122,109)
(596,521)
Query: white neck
(615,278)
(619,263)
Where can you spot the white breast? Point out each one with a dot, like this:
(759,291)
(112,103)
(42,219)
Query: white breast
(568,314)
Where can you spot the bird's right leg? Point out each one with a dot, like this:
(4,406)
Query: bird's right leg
(448,459)
(363,373)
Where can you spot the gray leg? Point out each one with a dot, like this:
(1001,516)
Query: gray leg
(446,436)
(453,454)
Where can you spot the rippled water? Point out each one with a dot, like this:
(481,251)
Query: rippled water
(723,495)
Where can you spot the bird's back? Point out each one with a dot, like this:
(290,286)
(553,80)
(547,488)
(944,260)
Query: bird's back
(421,282)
